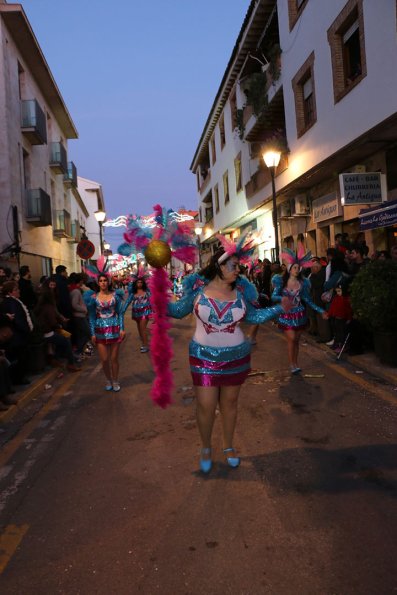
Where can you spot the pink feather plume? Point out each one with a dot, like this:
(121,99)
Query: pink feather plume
(228,245)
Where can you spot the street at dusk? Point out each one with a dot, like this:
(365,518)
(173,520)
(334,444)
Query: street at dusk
(198,297)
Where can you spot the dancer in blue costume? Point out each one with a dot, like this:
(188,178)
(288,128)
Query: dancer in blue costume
(293,286)
(219,353)
(141,309)
(106,317)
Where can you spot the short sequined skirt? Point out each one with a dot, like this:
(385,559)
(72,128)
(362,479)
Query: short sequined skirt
(107,335)
(293,321)
(219,366)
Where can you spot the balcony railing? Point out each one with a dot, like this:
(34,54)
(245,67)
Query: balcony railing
(70,178)
(62,224)
(33,122)
(58,158)
(38,207)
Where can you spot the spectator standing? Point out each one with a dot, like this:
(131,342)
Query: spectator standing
(318,325)
(27,293)
(64,303)
(80,327)
(341,314)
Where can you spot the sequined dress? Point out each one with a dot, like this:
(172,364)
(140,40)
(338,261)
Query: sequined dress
(140,308)
(106,318)
(296,318)
(219,354)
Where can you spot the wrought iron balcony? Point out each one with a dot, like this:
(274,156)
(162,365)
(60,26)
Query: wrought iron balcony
(70,178)
(58,158)
(33,122)
(62,225)
(38,207)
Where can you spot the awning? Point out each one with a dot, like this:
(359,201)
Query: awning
(380,216)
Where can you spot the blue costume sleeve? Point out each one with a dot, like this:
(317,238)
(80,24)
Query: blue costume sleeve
(127,301)
(191,287)
(255,314)
(91,306)
(277,281)
(305,297)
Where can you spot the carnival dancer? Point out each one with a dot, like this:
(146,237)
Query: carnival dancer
(219,353)
(139,297)
(292,285)
(106,317)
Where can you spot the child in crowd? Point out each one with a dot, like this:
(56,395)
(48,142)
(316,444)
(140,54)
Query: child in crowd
(341,314)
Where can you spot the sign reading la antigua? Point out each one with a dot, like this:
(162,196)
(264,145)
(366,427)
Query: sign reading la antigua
(362,189)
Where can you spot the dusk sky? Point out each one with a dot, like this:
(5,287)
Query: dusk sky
(139,79)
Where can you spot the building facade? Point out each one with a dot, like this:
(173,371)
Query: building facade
(42,213)
(316,79)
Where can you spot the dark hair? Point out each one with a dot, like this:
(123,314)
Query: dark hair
(60,269)
(135,285)
(286,276)
(107,279)
(23,270)
(8,286)
(75,278)
(213,268)
(338,263)
(43,279)
(360,248)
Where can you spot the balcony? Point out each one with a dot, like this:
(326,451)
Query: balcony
(58,158)
(70,177)
(38,207)
(75,232)
(62,225)
(33,122)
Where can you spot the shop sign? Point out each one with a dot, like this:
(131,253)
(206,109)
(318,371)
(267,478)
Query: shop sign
(251,226)
(383,217)
(326,207)
(362,189)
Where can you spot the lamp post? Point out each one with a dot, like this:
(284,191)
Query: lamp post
(272,159)
(197,231)
(100,216)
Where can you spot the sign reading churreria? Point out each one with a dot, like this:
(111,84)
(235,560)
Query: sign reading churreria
(326,207)
(362,189)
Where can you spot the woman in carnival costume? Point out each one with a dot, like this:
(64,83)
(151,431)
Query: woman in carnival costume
(219,353)
(292,285)
(139,297)
(106,317)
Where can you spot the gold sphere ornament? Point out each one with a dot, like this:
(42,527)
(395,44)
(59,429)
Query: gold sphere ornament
(158,254)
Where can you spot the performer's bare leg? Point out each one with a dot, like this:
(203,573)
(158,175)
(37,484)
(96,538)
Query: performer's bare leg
(228,403)
(142,324)
(104,356)
(206,402)
(114,360)
(290,335)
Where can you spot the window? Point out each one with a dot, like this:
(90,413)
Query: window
(347,44)
(305,99)
(25,169)
(21,81)
(200,215)
(213,150)
(226,195)
(198,180)
(295,9)
(233,109)
(237,172)
(222,131)
(216,198)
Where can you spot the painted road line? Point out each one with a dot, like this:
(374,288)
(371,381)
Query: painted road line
(9,449)
(9,541)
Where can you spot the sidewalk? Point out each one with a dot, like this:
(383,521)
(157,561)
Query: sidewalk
(367,362)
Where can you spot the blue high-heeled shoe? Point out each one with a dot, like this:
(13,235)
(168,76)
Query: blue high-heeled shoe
(231,461)
(205,464)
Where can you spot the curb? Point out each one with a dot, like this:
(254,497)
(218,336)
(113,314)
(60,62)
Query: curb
(28,395)
(367,362)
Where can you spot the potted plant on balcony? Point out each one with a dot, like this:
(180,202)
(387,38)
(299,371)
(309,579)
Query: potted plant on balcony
(276,140)
(374,302)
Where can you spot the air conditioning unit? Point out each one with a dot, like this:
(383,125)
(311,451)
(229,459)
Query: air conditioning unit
(302,206)
(285,210)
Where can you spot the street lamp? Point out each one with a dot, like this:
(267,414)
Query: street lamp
(197,230)
(100,216)
(106,246)
(272,159)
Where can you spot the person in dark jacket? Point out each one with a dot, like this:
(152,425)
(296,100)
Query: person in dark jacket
(64,303)
(17,348)
(318,326)
(27,293)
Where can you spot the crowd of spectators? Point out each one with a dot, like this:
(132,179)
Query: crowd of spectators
(50,317)
(330,277)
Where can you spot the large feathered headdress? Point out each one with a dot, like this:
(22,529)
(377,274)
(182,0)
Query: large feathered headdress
(243,249)
(101,268)
(141,273)
(299,257)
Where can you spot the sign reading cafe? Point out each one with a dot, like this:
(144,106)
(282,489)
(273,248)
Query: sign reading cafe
(362,189)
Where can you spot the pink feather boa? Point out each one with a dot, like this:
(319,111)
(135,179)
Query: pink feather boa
(160,342)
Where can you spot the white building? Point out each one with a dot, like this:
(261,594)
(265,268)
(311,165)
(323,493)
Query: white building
(92,195)
(41,210)
(322,75)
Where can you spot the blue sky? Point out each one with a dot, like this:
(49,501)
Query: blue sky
(139,78)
